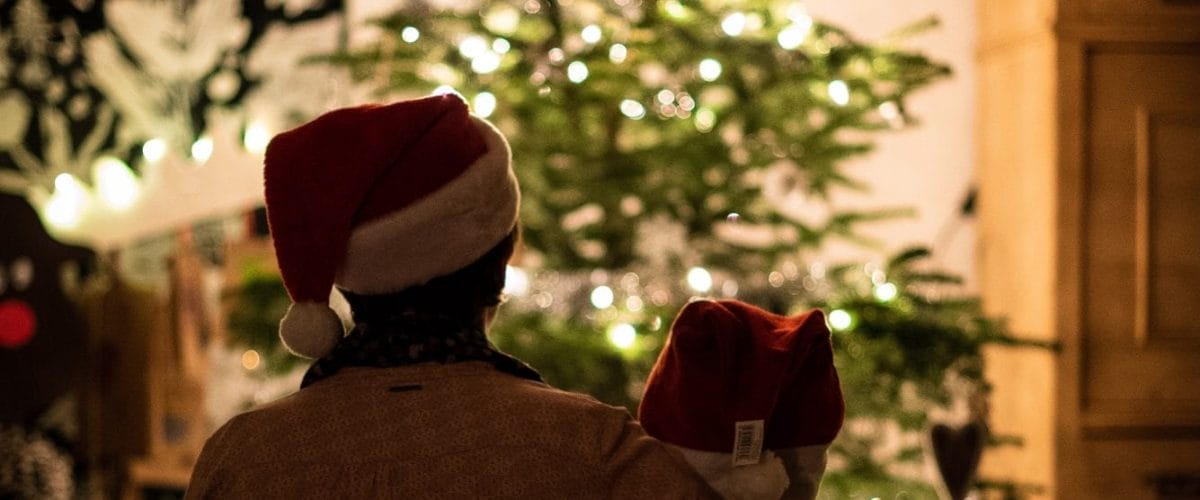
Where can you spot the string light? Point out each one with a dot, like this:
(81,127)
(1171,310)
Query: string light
(793,35)
(710,69)
(486,62)
(665,96)
(675,9)
(840,320)
(472,46)
(839,93)
(622,335)
(251,359)
(501,46)
(890,112)
(577,72)
(115,182)
(699,279)
(633,109)
(484,104)
(202,149)
(256,138)
(886,292)
(602,297)
(154,150)
(617,53)
(705,119)
(734,24)
(410,34)
(591,34)
(556,55)
(64,209)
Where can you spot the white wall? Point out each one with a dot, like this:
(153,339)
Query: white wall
(928,167)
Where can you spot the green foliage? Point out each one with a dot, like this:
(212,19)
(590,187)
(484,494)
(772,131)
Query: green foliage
(258,302)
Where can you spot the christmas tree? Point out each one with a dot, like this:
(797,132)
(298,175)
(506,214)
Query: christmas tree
(675,149)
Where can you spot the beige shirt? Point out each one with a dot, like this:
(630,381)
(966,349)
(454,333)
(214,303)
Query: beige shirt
(461,430)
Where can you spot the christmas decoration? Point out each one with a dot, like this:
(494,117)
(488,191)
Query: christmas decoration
(668,149)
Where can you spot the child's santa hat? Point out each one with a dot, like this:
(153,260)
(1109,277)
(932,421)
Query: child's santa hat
(379,198)
(751,398)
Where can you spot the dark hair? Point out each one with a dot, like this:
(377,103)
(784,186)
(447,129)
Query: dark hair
(466,291)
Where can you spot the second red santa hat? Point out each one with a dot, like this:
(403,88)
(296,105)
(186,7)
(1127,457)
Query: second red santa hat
(735,382)
(378,198)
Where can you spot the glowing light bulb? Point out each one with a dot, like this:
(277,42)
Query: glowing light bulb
(633,109)
(256,138)
(115,182)
(591,34)
(710,69)
(516,281)
(734,24)
(617,53)
(501,46)
(202,149)
(675,9)
(486,62)
(410,34)
(665,96)
(472,46)
(602,297)
(793,35)
(484,104)
(64,209)
(886,292)
(839,93)
(622,335)
(705,119)
(890,112)
(699,279)
(577,72)
(840,320)
(154,150)
(556,55)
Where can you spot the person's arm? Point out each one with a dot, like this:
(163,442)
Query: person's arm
(635,465)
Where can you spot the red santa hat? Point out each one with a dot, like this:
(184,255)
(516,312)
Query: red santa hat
(741,391)
(378,198)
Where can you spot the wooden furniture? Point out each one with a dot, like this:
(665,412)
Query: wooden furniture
(1089,174)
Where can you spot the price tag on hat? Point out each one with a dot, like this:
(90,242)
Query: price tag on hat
(747,442)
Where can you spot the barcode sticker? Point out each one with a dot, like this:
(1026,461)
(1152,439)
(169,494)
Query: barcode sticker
(747,442)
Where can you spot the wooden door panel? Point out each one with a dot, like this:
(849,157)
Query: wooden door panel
(1141,352)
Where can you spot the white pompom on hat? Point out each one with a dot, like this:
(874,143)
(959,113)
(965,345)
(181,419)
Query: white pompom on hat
(378,198)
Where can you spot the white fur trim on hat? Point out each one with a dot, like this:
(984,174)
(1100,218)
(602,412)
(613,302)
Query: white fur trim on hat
(310,329)
(440,233)
(765,480)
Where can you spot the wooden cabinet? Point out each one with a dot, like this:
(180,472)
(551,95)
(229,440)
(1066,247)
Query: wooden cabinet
(1089,171)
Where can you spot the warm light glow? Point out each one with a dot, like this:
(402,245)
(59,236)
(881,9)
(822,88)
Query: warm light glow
(484,104)
(891,113)
(65,207)
(591,34)
(634,303)
(501,46)
(633,109)
(486,62)
(699,279)
(256,138)
(154,150)
(504,19)
(705,119)
(665,96)
(793,35)
(516,281)
(602,297)
(251,359)
(410,34)
(734,24)
(622,335)
(556,55)
(840,320)
(675,9)
(886,292)
(710,69)
(202,149)
(472,46)
(617,53)
(115,182)
(577,72)
(839,93)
